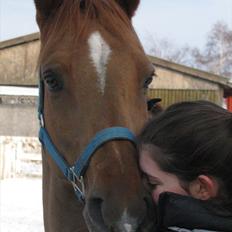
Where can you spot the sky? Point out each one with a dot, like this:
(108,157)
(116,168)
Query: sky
(183,22)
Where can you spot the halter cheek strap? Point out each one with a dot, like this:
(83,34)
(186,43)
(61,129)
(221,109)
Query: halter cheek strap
(76,172)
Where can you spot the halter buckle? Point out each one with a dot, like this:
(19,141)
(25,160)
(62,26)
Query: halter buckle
(73,178)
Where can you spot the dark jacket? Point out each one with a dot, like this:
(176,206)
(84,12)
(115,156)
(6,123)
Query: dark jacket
(185,214)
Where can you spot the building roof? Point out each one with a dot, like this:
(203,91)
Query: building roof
(19,40)
(195,73)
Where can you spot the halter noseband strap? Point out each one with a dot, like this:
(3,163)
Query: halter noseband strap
(76,172)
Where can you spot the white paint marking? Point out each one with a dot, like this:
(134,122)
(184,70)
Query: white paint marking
(99,53)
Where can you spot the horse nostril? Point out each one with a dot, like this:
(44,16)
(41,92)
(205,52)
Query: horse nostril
(95,212)
(107,219)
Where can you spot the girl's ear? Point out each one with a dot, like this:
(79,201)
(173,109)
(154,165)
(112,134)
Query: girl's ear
(204,187)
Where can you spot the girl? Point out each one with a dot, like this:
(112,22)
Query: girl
(186,156)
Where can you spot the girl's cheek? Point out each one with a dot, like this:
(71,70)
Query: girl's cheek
(178,190)
(159,189)
(155,195)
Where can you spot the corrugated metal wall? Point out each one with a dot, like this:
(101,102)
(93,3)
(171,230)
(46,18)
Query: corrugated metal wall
(170,96)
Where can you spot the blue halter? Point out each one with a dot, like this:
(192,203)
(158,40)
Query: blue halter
(76,172)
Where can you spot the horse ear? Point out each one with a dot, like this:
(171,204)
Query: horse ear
(44,8)
(129,6)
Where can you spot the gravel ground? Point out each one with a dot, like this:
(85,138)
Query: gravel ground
(21,205)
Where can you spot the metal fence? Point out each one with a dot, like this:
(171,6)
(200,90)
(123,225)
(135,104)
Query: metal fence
(19,156)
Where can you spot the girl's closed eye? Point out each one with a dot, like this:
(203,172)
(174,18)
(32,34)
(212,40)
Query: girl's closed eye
(153,182)
(150,182)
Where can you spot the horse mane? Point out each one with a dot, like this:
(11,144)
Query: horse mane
(73,18)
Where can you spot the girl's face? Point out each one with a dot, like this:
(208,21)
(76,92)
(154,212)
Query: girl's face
(158,180)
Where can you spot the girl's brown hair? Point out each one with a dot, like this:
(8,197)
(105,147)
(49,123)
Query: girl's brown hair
(195,138)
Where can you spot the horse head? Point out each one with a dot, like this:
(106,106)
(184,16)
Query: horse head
(94,73)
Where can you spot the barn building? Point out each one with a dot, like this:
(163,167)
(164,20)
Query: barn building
(175,83)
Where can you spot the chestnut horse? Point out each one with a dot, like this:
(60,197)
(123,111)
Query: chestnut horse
(93,73)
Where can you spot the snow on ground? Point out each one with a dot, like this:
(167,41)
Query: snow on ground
(21,205)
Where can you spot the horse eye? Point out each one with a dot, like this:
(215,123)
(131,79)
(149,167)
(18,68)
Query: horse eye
(53,81)
(147,82)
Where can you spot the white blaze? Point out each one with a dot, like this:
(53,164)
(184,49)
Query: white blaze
(99,54)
